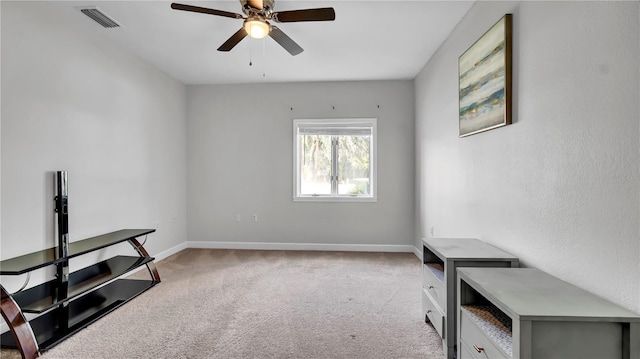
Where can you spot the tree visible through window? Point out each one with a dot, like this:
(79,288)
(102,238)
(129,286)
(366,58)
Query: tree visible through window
(334,159)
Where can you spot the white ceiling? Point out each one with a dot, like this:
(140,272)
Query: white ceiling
(369,40)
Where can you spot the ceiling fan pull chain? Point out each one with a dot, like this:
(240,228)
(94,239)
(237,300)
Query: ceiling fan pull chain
(264,60)
(250,62)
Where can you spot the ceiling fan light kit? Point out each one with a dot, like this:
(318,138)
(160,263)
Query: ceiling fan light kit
(256,24)
(256,27)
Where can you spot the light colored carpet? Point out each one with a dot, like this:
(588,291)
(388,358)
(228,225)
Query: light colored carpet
(267,304)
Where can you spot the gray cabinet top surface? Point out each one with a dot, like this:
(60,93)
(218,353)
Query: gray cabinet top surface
(531,294)
(466,248)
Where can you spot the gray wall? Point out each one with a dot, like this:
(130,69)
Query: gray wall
(73,101)
(240,150)
(560,187)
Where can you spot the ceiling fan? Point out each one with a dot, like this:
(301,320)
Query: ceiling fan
(256,23)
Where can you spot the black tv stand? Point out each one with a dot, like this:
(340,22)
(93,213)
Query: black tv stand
(85,297)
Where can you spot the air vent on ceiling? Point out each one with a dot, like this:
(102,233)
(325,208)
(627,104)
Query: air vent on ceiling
(98,16)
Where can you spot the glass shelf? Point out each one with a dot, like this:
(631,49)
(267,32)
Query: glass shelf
(46,257)
(42,297)
(82,312)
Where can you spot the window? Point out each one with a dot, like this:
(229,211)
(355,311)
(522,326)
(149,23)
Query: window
(334,160)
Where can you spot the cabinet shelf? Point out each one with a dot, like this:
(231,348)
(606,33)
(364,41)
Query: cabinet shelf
(437,270)
(43,297)
(82,312)
(494,323)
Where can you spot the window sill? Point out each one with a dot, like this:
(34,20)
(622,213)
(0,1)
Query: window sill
(334,199)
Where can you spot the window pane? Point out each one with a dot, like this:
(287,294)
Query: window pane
(315,164)
(353,165)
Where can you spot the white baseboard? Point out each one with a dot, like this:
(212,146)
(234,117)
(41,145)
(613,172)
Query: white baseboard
(332,247)
(417,252)
(171,251)
(303,246)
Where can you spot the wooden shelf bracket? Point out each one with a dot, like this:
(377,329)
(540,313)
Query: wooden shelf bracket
(20,328)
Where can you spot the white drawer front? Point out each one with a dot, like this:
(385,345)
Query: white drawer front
(433,312)
(464,352)
(434,286)
(476,340)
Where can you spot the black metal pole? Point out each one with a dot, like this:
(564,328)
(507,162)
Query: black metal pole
(62,268)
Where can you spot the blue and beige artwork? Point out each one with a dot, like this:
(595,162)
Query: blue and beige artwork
(482,82)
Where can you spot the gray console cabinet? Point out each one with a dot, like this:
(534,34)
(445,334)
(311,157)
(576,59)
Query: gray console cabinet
(526,313)
(441,257)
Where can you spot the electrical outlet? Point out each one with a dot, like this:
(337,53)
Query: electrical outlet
(431,231)
(238,218)
(254,218)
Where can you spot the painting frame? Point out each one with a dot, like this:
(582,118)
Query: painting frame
(484,80)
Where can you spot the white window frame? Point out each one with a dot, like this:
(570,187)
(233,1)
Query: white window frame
(333,123)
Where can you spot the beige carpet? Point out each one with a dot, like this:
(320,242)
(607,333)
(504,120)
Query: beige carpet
(267,304)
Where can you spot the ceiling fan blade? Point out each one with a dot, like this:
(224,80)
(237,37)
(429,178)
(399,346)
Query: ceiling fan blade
(285,41)
(233,40)
(256,4)
(320,14)
(205,10)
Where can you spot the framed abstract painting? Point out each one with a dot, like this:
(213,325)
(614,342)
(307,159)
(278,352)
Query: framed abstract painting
(484,80)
